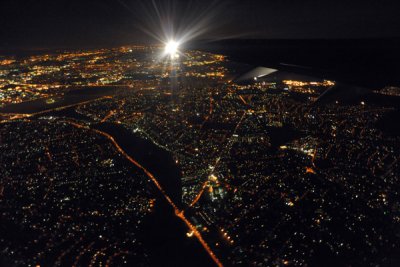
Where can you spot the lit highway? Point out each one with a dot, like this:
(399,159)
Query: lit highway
(179,213)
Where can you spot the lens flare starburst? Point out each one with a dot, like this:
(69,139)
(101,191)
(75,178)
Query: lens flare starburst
(171,48)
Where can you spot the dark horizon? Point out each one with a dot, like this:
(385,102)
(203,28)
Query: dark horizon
(59,47)
(74,24)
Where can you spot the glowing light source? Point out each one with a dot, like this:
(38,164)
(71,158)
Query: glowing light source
(190,234)
(171,48)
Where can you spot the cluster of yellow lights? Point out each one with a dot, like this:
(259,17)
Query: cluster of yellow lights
(301,83)
(226,236)
(6,62)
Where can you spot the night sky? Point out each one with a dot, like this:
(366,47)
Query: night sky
(65,23)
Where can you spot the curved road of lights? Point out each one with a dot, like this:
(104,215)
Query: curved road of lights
(179,213)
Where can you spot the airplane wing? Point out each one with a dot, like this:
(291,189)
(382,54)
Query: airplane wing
(371,63)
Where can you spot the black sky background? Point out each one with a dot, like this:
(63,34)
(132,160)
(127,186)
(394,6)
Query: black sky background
(75,23)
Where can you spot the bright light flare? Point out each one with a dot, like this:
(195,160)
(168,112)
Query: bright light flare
(171,48)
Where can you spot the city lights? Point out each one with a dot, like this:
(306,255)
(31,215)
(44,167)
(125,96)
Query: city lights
(258,170)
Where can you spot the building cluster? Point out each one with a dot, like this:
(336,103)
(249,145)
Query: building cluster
(68,198)
(53,73)
(269,177)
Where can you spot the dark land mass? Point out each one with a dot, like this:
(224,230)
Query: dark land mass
(389,124)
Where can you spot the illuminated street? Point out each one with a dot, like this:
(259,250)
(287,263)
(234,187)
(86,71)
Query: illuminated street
(199,133)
